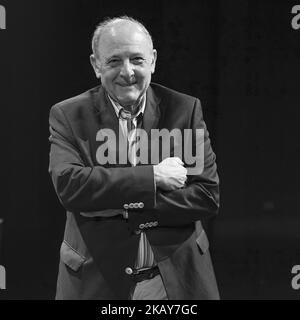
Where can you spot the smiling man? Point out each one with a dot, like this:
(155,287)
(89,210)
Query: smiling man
(124,60)
(133,231)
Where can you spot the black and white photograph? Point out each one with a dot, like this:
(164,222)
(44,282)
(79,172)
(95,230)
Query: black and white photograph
(149,151)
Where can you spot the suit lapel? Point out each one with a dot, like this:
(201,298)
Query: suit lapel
(152,112)
(104,109)
(108,120)
(151,120)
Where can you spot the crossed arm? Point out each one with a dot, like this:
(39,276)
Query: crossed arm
(165,189)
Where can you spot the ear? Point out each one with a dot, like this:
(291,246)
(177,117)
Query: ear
(153,63)
(95,65)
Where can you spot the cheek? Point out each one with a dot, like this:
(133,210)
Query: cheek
(108,77)
(143,76)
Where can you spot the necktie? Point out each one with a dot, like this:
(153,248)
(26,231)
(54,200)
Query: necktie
(145,257)
(129,117)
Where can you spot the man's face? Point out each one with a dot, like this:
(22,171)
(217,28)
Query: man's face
(125,62)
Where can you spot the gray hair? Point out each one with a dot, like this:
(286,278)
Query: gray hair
(109,22)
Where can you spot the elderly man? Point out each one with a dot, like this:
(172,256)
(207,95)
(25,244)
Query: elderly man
(133,230)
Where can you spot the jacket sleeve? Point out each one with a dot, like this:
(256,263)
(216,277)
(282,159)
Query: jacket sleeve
(199,199)
(82,188)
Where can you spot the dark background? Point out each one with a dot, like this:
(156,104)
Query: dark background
(241,58)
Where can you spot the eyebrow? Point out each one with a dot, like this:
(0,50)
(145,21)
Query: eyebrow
(116,56)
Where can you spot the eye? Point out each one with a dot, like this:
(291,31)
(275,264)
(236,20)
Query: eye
(113,62)
(138,60)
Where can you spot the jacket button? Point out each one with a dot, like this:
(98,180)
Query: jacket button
(126,206)
(125,214)
(141,226)
(131,205)
(128,270)
(141,205)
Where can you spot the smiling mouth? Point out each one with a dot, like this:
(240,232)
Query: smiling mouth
(125,85)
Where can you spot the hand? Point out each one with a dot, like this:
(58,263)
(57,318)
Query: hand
(170,174)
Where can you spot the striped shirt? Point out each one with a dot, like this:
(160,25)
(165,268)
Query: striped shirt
(145,257)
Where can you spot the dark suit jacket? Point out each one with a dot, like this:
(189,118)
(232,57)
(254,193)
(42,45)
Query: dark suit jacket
(96,251)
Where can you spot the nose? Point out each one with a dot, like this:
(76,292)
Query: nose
(127,70)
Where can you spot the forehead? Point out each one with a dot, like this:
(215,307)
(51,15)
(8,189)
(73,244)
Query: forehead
(124,38)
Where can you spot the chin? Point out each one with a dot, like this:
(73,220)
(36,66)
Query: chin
(128,100)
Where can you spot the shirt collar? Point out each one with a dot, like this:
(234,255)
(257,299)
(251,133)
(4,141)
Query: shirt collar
(117,107)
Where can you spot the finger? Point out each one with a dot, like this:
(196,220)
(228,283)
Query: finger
(178,160)
(183,180)
(183,171)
